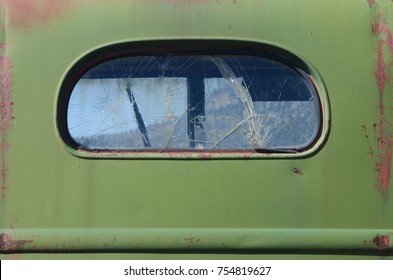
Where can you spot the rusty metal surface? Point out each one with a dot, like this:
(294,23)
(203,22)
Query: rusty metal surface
(338,197)
(7,244)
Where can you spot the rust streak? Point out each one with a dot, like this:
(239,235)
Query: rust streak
(384,135)
(380,72)
(382,28)
(7,243)
(6,116)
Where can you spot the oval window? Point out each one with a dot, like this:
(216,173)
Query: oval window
(193,101)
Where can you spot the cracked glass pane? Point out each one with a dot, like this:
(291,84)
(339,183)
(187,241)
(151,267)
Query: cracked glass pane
(171,102)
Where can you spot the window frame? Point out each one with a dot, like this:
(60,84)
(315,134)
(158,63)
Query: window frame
(189,47)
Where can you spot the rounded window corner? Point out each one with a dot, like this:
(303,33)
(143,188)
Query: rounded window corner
(193,99)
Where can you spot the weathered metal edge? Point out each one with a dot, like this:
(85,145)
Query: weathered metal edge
(376,241)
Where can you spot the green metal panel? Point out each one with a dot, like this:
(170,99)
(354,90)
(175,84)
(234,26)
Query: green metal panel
(335,201)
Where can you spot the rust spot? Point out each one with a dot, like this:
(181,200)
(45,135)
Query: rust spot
(371,2)
(192,240)
(9,244)
(6,114)
(382,241)
(297,171)
(370,148)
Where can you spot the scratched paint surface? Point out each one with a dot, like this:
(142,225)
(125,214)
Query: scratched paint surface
(53,200)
